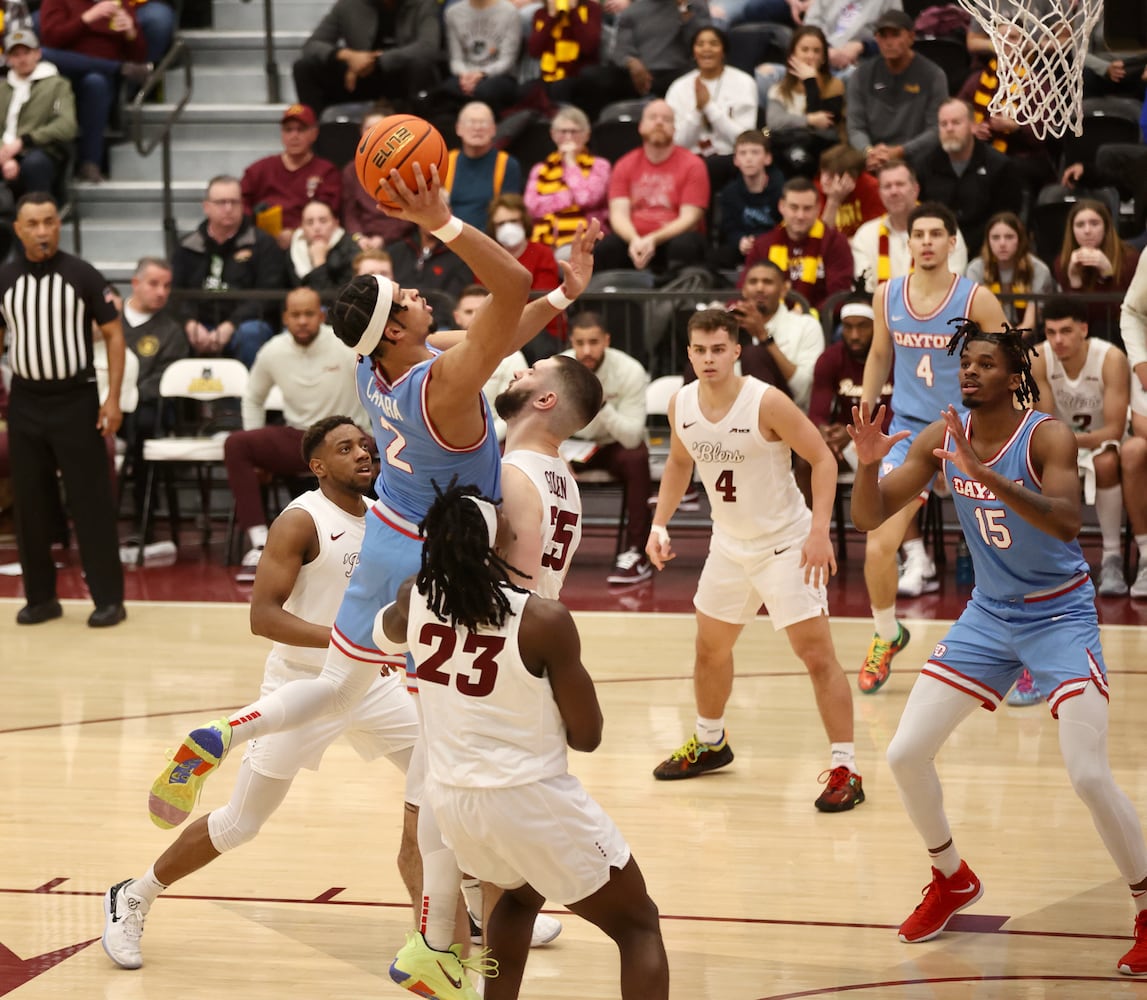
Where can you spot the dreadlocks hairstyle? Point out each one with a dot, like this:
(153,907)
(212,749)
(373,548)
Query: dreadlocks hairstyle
(461,575)
(1011,341)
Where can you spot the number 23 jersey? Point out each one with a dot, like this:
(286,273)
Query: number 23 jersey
(749,480)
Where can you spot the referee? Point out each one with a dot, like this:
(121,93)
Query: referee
(48,301)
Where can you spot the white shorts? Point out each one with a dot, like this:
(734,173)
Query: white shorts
(739,576)
(1138,396)
(548,833)
(383,724)
(1085,464)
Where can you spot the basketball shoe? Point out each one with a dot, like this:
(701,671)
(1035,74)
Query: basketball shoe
(546,928)
(943,899)
(124,915)
(693,759)
(878,663)
(438,975)
(1025,692)
(176,790)
(843,790)
(1134,963)
(917,576)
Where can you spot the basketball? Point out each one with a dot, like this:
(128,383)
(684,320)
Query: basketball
(397,143)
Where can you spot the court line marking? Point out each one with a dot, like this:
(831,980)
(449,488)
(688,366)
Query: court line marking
(893,983)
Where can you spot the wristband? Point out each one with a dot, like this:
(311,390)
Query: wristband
(558,299)
(450,231)
(660,532)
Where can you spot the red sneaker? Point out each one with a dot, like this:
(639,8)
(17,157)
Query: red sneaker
(943,899)
(843,790)
(878,662)
(1134,963)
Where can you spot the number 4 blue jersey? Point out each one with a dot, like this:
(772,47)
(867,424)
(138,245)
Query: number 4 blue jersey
(1013,558)
(412,456)
(925,377)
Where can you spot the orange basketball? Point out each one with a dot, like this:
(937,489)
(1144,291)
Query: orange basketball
(397,143)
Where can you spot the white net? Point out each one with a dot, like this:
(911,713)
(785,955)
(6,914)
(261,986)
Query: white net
(1040,47)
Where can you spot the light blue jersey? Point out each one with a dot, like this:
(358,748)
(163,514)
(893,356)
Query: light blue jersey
(925,377)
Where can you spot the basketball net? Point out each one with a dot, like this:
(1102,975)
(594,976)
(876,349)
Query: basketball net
(1040,47)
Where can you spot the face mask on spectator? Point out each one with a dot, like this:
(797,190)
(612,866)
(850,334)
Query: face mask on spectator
(510,234)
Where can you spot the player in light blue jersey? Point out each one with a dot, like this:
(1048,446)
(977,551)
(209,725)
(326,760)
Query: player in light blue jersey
(1016,488)
(912,327)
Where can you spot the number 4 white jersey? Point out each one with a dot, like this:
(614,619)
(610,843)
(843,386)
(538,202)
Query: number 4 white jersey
(561,515)
(749,480)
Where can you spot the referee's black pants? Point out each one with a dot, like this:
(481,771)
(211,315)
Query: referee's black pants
(52,426)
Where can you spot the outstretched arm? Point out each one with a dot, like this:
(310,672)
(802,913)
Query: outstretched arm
(873,500)
(674,482)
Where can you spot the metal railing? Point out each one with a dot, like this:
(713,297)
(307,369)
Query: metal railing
(270,66)
(179,55)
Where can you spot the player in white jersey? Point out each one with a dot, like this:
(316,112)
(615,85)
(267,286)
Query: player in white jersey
(766,546)
(914,316)
(504,692)
(1086,382)
(311,550)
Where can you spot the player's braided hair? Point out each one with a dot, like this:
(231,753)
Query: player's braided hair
(1011,341)
(462,577)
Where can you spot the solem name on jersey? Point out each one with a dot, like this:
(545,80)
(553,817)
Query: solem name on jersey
(557,484)
(975,490)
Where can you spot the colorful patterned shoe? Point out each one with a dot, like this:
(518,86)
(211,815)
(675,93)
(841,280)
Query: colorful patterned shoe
(1025,692)
(843,790)
(176,790)
(693,759)
(438,975)
(878,663)
(943,899)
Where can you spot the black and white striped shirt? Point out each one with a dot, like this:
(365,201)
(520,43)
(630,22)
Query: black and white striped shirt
(47,308)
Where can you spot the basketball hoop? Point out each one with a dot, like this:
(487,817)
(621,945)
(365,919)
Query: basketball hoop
(1040,47)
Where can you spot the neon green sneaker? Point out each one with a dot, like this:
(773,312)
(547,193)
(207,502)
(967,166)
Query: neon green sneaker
(439,975)
(176,790)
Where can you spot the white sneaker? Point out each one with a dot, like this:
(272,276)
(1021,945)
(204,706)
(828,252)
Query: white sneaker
(545,929)
(248,566)
(1139,587)
(1111,581)
(917,576)
(124,915)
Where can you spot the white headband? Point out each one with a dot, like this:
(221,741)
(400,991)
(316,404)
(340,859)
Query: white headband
(489,515)
(378,319)
(861,309)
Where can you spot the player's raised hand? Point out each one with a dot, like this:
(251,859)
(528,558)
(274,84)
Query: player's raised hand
(867,433)
(961,455)
(425,205)
(577,271)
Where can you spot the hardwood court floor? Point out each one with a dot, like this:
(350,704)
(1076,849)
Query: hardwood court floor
(761,897)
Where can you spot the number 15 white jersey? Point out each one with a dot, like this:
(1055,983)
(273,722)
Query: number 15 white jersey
(561,515)
(749,479)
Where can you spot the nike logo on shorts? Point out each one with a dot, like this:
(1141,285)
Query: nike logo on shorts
(777,552)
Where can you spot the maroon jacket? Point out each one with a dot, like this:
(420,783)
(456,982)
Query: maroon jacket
(62,27)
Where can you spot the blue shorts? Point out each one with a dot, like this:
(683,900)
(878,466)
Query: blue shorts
(1056,638)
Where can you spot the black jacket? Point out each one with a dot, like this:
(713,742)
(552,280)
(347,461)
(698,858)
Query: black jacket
(354,24)
(249,260)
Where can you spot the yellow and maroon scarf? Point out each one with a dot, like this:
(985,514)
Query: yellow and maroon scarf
(558,228)
(809,262)
(555,63)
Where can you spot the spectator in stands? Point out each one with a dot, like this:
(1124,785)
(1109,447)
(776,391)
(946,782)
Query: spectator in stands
(658,197)
(157,22)
(969,175)
(95,45)
(893,101)
(565,38)
(749,202)
(373,262)
(1094,260)
(483,38)
(510,224)
(157,339)
(849,27)
(227,252)
(1133,454)
(277,187)
(793,340)
(368,227)
(806,106)
(653,47)
(321,251)
(1008,268)
(315,372)
(1086,384)
(615,439)
(816,259)
(38,110)
(362,51)
(423,261)
(851,195)
(838,377)
(569,186)
(712,105)
(1108,74)
(880,246)
(478,172)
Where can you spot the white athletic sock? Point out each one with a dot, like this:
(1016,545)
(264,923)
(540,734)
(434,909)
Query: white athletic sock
(146,888)
(1141,541)
(710,731)
(914,547)
(1109,512)
(1139,899)
(472,891)
(257,536)
(844,755)
(884,620)
(946,861)
(441,883)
